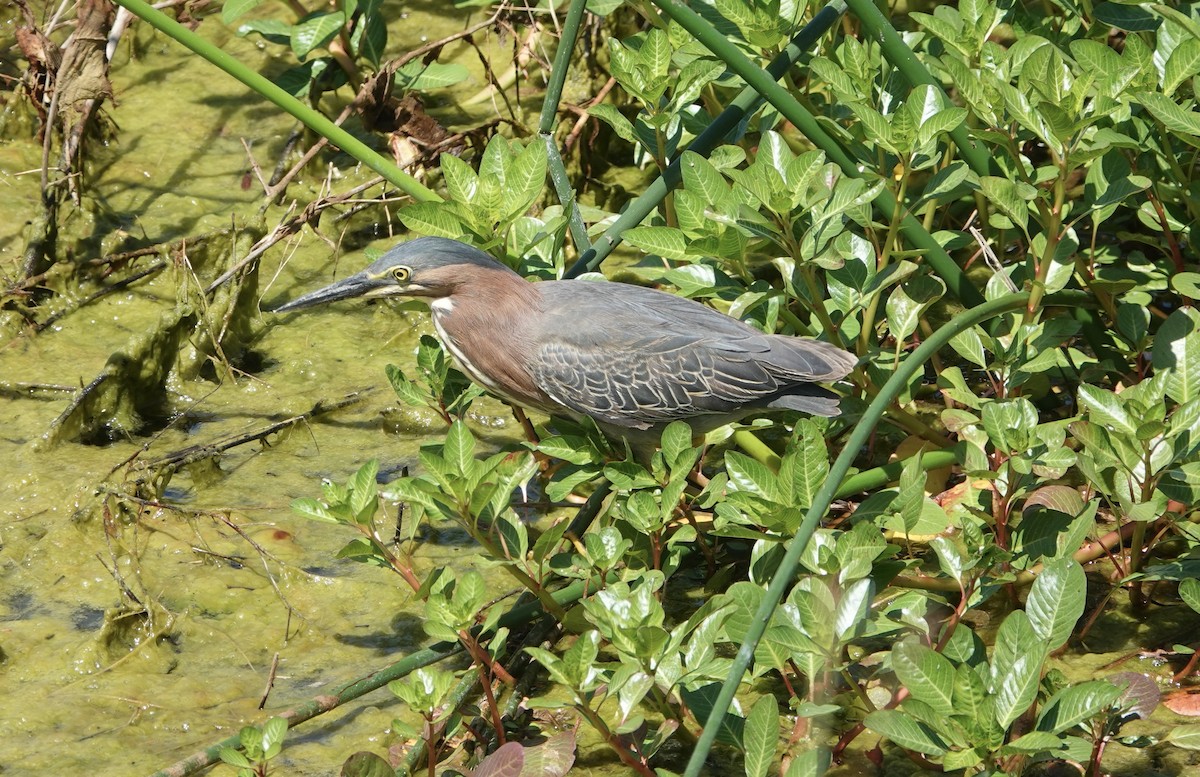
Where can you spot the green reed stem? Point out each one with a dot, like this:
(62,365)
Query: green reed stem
(558,170)
(785,573)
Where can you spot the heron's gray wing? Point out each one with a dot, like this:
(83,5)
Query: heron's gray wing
(635,358)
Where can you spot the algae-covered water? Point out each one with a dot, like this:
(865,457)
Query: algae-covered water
(133,633)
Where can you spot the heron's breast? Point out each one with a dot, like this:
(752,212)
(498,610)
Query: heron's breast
(489,352)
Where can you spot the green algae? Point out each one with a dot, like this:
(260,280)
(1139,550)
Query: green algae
(141,605)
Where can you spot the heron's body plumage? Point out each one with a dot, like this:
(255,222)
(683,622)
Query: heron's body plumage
(632,358)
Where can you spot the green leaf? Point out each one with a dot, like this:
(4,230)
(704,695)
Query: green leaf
(951,181)
(610,115)
(692,79)
(1056,601)
(433,219)
(906,732)
(1018,688)
(852,608)
(459,450)
(908,302)
(1106,409)
(928,675)
(970,695)
(811,763)
(1133,18)
(1034,743)
(369,38)
(1016,668)
(419,76)
(1173,117)
(1187,737)
(461,181)
(1075,704)
(746,474)
(761,736)
(1110,181)
(1189,591)
(366,764)
(1010,197)
(234,757)
(1009,423)
(969,345)
(667,242)
(1183,63)
(701,702)
(274,30)
(700,177)
(910,499)
(316,30)
(273,732)
(311,508)
(526,177)
(232,9)
(805,466)
(1177,348)
(1186,283)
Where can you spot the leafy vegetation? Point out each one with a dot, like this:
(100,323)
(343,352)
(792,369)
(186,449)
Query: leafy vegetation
(1036,164)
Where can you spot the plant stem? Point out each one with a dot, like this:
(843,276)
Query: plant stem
(783,577)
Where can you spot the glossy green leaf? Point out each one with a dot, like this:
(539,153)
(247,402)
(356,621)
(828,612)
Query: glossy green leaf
(667,242)
(526,179)
(761,736)
(613,117)
(906,732)
(701,701)
(1187,737)
(908,302)
(1183,64)
(1133,18)
(232,9)
(1018,688)
(910,498)
(1016,667)
(1174,117)
(459,450)
(1010,198)
(420,76)
(461,180)
(1177,349)
(1075,704)
(433,219)
(853,607)
(811,763)
(806,464)
(315,31)
(1056,601)
(927,674)
(700,177)
(1035,743)
(1106,408)
(1189,591)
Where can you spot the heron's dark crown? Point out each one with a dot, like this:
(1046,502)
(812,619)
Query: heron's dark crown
(432,253)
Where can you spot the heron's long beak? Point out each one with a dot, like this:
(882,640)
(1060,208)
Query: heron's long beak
(357,285)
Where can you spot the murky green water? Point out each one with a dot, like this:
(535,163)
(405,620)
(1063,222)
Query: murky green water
(129,644)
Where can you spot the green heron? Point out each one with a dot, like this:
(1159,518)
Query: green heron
(632,358)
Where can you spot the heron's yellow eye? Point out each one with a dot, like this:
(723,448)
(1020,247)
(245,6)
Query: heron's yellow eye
(401,274)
